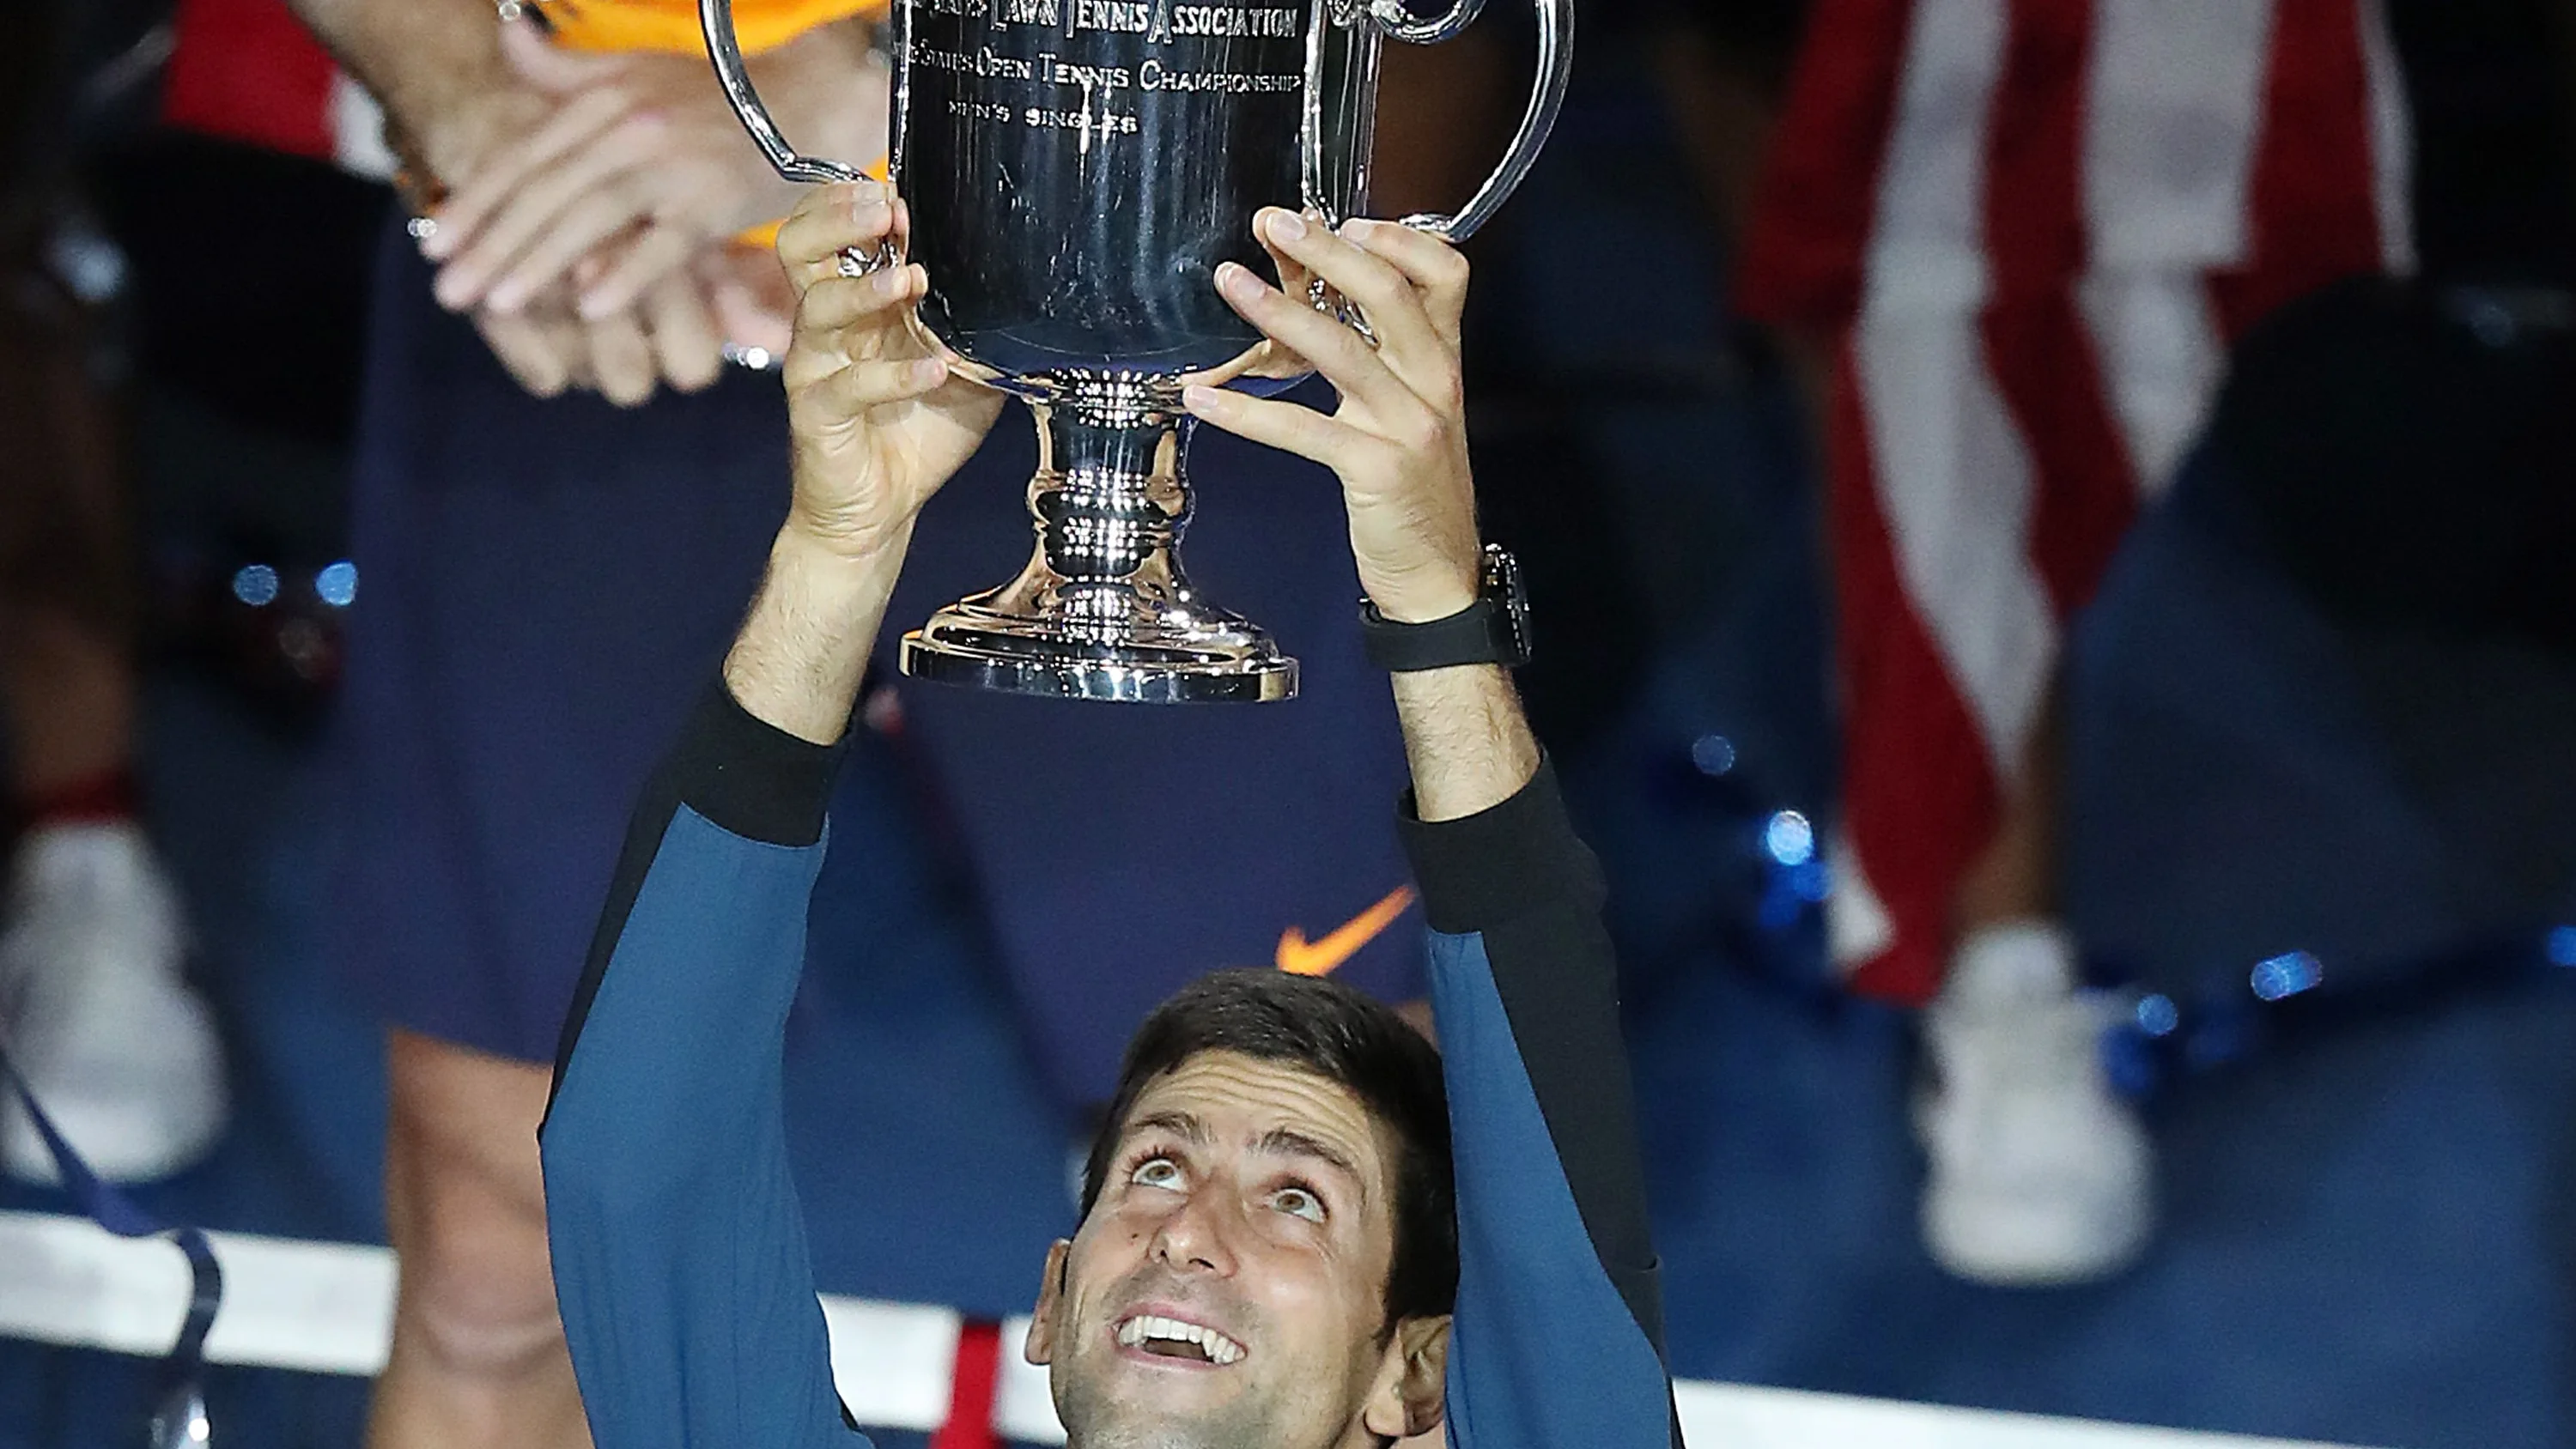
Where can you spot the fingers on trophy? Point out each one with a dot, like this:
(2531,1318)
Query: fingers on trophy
(1074,174)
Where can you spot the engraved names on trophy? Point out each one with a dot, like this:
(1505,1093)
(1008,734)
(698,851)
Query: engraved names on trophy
(1030,65)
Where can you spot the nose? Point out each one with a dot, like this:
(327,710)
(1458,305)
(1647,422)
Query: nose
(1197,1236)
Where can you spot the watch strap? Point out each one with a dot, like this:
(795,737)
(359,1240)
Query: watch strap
(1465,637)
(1484,632)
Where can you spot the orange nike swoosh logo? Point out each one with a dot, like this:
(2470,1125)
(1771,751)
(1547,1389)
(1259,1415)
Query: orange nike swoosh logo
(1301,957)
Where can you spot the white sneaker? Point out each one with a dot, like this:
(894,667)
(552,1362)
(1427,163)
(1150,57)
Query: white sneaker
(2039,1174)
(120,1051)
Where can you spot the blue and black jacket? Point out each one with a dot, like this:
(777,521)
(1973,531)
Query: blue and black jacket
(679,1247)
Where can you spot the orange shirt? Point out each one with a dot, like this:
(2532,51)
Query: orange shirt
(672,25)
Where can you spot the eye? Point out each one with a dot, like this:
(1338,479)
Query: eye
(1299,1202)
(1160,1172)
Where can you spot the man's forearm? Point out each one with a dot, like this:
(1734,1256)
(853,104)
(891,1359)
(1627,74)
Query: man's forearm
(1468,742)
(437,65)
(802,652)
(423,60)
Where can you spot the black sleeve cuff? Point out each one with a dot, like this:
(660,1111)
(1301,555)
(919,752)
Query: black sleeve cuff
(1494,866)
(751,777)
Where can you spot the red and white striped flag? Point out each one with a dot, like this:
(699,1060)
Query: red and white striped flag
(2030,230)
(248,71)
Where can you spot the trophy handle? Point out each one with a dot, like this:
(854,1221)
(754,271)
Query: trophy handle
(1547,97)
(715,17)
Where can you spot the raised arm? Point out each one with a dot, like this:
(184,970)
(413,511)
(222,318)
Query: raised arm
(1559,1330)
(1559,1335)
(678,1244)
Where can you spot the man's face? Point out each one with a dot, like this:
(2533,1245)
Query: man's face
(1228,1289)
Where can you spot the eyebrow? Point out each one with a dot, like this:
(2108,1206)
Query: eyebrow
(1289,1142)
(1185,1125)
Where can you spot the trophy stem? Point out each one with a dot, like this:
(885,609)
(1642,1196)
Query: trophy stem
(1104,610)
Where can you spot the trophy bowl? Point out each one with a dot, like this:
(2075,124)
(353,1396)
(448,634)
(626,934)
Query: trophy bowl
(1076,171)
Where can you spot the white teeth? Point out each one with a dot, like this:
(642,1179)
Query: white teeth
(1215,1346)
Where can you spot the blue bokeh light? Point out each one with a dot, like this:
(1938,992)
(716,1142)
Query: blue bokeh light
(2157,1014)
(1789,838)
(1810,882)
(2561,946)
(337,584)
(256,585)
(1714,754)
(2287,975)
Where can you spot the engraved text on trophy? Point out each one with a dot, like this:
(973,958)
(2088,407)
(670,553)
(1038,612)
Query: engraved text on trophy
(1078,168)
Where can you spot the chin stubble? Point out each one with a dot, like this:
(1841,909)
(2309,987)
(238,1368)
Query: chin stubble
(1095,1420)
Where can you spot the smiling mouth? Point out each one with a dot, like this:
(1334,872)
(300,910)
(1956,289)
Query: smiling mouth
(1173,1339)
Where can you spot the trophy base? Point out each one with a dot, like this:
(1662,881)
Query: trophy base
(1103,610)
(1219,661)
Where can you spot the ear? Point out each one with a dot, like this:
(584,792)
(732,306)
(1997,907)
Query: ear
(1412,1385)
(1040,1348)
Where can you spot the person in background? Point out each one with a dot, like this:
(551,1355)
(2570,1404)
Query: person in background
(553,467)
(2016,239)
(95,1014)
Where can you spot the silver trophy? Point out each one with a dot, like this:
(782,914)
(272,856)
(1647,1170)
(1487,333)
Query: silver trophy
(1076,171)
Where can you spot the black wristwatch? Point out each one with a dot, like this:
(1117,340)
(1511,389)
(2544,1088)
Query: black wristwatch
(1492,630)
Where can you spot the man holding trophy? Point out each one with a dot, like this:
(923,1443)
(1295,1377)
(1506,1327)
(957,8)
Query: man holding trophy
(1084,169)
(1281,1220)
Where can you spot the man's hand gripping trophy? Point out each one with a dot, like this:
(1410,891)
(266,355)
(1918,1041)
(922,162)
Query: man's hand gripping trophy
(881,422)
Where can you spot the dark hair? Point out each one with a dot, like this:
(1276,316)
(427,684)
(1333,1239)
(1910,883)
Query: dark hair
(1344,1037)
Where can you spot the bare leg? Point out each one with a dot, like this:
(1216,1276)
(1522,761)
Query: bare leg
(66,680)
(2039,1173)
(69,692)
(100,1023)
(478,1357)
(2014,878)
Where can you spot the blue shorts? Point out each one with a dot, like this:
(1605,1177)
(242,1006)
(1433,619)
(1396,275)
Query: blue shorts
(545,586)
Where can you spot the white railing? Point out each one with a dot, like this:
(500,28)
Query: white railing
(328,1308)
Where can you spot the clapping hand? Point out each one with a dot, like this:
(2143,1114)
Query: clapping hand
(640,165)
(676,335)
(659,313)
